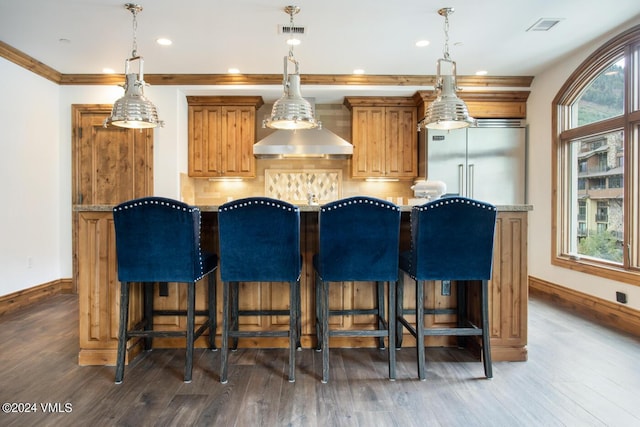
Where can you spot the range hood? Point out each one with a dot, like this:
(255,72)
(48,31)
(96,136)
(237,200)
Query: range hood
(302,143)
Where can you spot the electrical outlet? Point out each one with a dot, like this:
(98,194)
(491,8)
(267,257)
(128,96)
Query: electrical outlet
(29,262)
(621,297)
(446,288)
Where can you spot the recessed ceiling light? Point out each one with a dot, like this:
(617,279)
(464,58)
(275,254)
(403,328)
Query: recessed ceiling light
(482,73)
(422,43)
(108,71)
(164,42)
(358,71)
(233,71)
(293,42)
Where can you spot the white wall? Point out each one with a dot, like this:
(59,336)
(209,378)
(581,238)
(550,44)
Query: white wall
(30,178)
(543,90)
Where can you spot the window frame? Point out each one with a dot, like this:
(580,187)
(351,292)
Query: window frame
(626,44)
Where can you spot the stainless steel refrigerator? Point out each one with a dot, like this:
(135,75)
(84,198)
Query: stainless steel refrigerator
(487,162)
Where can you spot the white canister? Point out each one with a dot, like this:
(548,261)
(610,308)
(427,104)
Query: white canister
(428,189)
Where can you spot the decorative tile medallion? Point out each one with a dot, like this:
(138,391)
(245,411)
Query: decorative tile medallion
(295,186)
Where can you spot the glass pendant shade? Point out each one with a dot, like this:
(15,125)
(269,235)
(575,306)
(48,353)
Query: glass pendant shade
(133,110)
(292,111)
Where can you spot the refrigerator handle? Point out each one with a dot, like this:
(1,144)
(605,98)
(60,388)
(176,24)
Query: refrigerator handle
(470,180)
(461,179)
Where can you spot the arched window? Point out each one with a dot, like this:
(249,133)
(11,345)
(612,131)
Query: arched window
(596,163)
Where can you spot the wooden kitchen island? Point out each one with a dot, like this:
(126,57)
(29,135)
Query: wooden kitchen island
(98,290)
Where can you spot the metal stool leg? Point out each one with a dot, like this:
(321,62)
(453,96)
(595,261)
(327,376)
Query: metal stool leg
(235,318)
(399,309)
(191,303)
(122,331)
(391,328)
(486,335)
(147,291)
(319,311)
(225,333)
(420,328)
(213,310)
(462,315)
(325,330)
(293,327)
(298,317)
(381,311)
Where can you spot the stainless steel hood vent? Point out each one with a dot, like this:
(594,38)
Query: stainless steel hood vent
(302,143)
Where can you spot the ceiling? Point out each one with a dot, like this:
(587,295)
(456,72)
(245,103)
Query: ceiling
(378,36)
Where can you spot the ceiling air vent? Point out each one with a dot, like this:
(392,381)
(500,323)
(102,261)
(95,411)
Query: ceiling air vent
(287,30)
(544,24)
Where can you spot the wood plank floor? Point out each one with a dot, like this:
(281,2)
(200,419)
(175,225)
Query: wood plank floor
(578,374)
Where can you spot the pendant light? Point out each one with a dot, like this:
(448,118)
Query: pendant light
(291,111)
(134,110)
(447,111)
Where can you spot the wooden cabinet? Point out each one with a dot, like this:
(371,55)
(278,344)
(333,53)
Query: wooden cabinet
(484,105)
(222,132)
(98,292)
(508,294)
(384,137)
(508,288)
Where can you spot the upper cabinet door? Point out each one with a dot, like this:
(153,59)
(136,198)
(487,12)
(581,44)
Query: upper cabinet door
(205,127)
(221,135)
(401,152)
(368,137)
(384,137)
(237,139)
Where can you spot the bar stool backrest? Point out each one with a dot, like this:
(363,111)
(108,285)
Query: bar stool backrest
(158,240)
(452,239)
(359,240)
(259,240)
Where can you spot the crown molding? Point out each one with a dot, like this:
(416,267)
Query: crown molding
(25,61)
(43,70)
(308,79)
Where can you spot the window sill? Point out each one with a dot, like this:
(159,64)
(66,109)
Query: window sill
(606,271)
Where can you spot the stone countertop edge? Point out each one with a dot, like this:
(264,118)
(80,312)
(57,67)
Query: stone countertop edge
(303,208)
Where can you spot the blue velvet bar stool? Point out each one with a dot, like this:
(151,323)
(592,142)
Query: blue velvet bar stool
(259,239)
(451,240)
(158,241)
(359,242)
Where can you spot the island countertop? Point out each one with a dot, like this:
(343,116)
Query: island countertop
(96,282)
(303,208)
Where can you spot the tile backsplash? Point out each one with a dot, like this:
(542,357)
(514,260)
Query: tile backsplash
(296,185)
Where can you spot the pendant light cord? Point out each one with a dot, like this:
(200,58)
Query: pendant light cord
(291,58)
(291,35)
(134,49)
(446,36)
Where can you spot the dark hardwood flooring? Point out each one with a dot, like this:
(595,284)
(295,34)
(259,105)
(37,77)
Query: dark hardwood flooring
(578,374)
